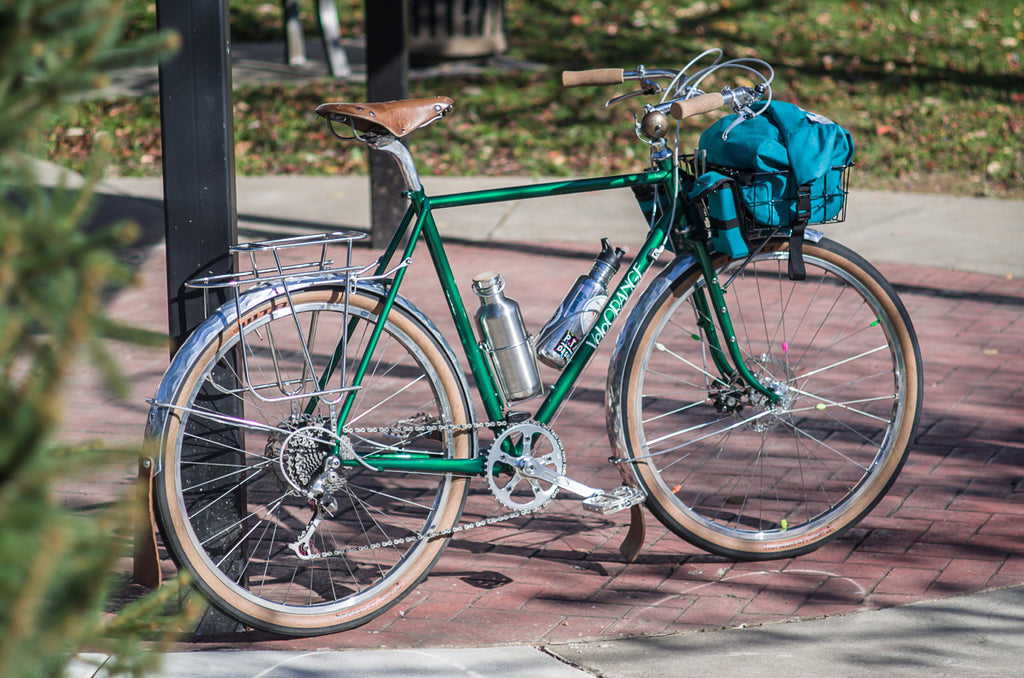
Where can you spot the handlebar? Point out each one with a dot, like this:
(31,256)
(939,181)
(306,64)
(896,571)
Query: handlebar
(698,105)
(683,97)
(680,108)
(614,76)
(740,99)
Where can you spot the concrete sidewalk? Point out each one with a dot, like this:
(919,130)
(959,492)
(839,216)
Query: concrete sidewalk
(919,587)
(978,635)
(975,235)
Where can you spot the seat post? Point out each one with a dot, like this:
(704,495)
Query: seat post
(387,143)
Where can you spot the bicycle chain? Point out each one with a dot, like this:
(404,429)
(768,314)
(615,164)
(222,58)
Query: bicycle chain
(426,535)
(400,431)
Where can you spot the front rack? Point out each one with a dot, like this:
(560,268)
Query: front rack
(770,200)
(285,264)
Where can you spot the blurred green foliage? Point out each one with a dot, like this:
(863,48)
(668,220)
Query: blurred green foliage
(57,567)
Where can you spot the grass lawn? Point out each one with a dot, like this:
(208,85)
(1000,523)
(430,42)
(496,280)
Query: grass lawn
(933,92)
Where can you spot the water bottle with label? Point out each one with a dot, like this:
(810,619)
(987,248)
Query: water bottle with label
(563,334)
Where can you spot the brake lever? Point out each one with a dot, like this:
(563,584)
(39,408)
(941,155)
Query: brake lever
(740,119)
(740,100)
(647,88)
(622,97)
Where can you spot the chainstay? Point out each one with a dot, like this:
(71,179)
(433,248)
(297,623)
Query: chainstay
(399,431)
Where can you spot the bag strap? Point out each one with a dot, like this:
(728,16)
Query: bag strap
(797,270)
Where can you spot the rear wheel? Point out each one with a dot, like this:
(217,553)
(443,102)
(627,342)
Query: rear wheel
(239,464)
(738,476)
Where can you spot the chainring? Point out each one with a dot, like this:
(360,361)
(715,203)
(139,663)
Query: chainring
(526,443)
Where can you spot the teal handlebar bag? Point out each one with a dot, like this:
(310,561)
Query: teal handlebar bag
(781,150)
(788,167)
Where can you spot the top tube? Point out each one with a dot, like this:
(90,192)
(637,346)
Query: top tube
(550,188)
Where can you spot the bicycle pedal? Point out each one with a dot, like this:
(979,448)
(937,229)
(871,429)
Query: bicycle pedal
(621,497)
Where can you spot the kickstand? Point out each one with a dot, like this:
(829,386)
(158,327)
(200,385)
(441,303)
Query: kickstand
(634,541)
(146,563)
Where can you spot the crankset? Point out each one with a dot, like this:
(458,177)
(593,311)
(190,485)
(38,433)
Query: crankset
(525,469)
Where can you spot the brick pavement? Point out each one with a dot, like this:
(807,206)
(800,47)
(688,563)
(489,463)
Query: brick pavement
(950,525)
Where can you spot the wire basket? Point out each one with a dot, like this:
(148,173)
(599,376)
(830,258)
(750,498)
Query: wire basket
(771,201)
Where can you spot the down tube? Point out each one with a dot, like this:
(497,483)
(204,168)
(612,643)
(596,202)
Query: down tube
(617,300)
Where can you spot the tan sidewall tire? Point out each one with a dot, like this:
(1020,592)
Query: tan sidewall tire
(224,596)
(698,532)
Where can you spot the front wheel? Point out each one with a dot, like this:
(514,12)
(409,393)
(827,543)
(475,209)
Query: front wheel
(741,477)
(244,454)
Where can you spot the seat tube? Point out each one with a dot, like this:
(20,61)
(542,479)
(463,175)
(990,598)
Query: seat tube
(486,386)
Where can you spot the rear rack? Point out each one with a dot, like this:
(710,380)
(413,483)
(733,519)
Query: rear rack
(270,265)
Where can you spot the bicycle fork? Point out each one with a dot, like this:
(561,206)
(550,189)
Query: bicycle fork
(737,373)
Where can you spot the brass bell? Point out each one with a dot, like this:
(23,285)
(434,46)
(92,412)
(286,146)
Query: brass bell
(655,125)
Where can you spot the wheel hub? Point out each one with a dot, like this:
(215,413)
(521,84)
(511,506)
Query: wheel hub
(774,374)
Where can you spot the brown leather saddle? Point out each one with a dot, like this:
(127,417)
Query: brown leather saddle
(397,118)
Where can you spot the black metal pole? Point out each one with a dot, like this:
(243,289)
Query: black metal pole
(200,213)
(387,78)
(198,153)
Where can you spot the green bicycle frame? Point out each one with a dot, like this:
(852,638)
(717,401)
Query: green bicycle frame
(418,223)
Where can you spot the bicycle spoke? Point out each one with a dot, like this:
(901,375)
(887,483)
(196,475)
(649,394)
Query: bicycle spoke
(263,516)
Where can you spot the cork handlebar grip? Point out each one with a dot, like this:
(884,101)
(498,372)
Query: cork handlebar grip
(593,76)
(698,105)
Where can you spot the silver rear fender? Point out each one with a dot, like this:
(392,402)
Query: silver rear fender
(227,314)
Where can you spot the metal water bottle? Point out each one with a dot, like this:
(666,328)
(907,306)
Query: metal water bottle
(563,334)
(505,338)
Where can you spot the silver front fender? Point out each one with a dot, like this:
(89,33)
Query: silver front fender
(679,266)
(228,313)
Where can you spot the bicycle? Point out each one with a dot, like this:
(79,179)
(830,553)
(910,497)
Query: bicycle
(315,437)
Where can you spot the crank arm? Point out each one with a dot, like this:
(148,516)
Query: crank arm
(598,501)
(530,469)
